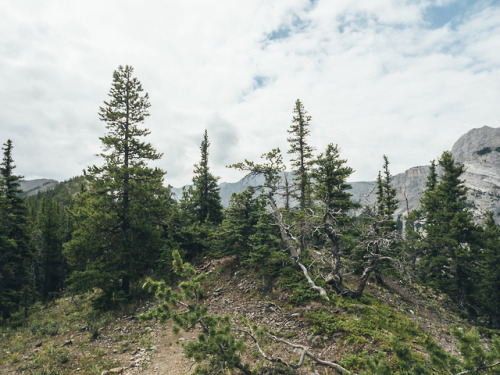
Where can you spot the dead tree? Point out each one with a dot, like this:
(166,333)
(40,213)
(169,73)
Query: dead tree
(272,185)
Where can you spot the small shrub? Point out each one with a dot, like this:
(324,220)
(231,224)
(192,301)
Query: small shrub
(484,151)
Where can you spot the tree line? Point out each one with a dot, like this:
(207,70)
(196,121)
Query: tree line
(121,224)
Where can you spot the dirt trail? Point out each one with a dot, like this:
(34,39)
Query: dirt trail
(169,358)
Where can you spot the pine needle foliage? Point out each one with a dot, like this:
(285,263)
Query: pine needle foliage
(116,238)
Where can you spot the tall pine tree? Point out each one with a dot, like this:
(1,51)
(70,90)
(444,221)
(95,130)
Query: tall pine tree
(448,259)
(203,200)
(489,286)
(301,152)
(15,253)
(331,191)
(48,237)
(117,237)
(201,205)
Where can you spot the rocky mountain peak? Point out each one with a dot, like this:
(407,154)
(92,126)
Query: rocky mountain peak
(477,143)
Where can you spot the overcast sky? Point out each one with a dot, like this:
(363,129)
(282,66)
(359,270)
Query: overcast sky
(404,78)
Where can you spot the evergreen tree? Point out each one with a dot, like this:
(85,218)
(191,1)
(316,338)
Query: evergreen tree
(202,206)
(413,234)
(448,260)
(203,199)
(15,253)
(247,232)
(301,152)
(240,219)
(331,191)
(489,288)
(378,237)
(118,237)
(387,203)
(48,237)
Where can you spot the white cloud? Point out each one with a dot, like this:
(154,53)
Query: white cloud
(373,75)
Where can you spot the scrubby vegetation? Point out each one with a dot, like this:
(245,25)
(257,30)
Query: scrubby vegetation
(74,259)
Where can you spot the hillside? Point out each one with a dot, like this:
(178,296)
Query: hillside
(66,337)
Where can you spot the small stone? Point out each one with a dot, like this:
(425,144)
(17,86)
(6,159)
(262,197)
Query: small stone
(116,370)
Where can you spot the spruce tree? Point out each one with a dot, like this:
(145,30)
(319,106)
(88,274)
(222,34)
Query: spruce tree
(240,219)
(15,252)
(449,244)
(201,205)
(331,191)
(301,152)
(489,261)
(387,203)
(118,237)
(203,200)
(48,237)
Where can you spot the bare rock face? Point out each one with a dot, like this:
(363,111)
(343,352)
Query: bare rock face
(479,150)
(32,187)
(410,187)
(471,146)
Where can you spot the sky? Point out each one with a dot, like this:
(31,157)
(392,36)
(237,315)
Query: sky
(404,78)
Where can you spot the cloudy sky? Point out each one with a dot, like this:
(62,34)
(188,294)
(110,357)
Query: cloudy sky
(404,78)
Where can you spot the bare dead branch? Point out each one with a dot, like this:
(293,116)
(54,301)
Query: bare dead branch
(480,368)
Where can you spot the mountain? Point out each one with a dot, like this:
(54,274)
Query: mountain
(478,149)
(32,187)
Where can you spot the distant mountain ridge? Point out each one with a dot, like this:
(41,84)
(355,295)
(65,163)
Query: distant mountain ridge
(478,149)
(32,187)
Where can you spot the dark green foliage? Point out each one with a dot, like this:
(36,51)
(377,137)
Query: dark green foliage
(387,203)
(488,291)
(331,192)
(293,281)
(378,241)
(487,150)
(448,247)
(248,232)
(15,251)
(47,237)
(265,255)
(474,359)
(201,205)
(414,247)
(301,152)
(241,217)
(203,200)
(484,151)
(118,232)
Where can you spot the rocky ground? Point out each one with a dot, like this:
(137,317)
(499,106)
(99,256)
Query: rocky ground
(126,345)
(234,293)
